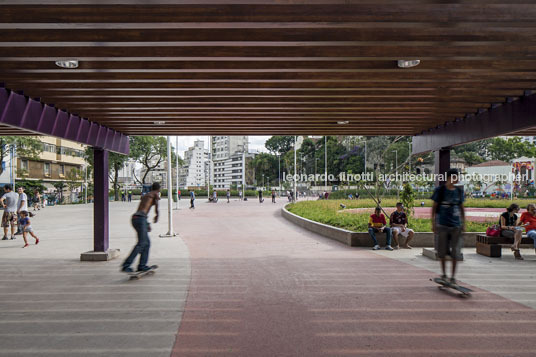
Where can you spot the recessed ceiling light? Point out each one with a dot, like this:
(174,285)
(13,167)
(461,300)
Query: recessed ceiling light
(408,63)
(67,64)
(159,122)
(343,122)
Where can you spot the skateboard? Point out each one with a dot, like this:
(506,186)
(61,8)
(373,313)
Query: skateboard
(139,274)
(464,292)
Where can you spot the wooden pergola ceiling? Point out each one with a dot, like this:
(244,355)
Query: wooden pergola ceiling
(269,67)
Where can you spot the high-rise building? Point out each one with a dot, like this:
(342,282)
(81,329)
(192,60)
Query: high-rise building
(194,171)
(230,160)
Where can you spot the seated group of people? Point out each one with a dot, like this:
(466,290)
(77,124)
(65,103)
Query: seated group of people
(512,226)
(398,227)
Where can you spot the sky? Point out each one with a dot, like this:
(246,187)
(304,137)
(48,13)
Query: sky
(256,143)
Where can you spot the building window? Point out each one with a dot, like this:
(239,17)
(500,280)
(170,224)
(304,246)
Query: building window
(24,164)
(46,168)
(62,170)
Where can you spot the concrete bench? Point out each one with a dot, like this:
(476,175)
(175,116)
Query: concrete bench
(492,246)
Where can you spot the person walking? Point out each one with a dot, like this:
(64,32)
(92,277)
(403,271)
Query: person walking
(36,200)
(240,195)
(9,218)
(448,223)
(129,195)
(142,227)
(26,228)
(273,196)
(192,199)
(228,195)
(261,200)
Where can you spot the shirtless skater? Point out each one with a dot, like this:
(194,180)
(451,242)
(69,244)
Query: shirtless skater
(140,223)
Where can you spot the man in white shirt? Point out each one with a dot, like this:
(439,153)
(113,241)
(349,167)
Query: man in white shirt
(9,218)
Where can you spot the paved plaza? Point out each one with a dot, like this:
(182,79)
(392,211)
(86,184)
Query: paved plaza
(242,281)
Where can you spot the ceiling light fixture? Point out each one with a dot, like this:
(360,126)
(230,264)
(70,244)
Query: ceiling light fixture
(159,122)
(408,63)
(67,64)
(343,122)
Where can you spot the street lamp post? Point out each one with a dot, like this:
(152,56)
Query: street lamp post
(170,232)
(316,160)
(209,161)
(396,173)
(177,171)
(326,162)
(295,172)
(279,172)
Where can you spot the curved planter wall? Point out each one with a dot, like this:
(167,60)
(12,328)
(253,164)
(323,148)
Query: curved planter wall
(362,239)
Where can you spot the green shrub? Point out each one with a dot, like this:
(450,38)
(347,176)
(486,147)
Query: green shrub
(329,212)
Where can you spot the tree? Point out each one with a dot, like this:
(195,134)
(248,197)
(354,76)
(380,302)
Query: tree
(73,178)
(280,144)
(511,148)
(150,151)
(407,197)
(27,146)
(60,185)
(264,164)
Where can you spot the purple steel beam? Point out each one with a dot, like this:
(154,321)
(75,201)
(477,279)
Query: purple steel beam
(100,205)
(504,119)
(28,114)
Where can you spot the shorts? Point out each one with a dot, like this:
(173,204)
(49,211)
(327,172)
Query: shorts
(398,230)
(9,218)
(507,233)
(28,229)
(449,242)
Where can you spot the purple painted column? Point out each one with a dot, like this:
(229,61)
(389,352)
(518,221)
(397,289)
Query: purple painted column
(100,206)
(442,164)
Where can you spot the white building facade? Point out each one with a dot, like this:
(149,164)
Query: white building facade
(194,171)
(229,161)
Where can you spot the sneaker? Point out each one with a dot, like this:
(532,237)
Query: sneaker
(453,282)
(444,279)
(5,238)
(388,248)
(18,233)
(147,268)
(36,241)
(397,247)
(127,270)
(13,237)
(376,247)
(26,245)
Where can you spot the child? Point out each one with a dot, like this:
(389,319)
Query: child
(26,228)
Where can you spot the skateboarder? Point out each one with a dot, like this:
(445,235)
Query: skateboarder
(139,221)
(448,217)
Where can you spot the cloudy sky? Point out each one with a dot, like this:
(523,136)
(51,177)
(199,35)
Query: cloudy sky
(256,143)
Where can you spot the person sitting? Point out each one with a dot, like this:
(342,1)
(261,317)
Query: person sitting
(399,226)
(510,228)
(377,224)
(528,219)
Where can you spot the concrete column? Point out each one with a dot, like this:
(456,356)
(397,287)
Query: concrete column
(442,164)
(101,249)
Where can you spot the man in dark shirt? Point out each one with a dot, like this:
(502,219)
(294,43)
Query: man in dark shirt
(399,226)
(448,222)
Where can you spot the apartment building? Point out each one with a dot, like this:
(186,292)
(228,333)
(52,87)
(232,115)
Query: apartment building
(194,172)
(58,158)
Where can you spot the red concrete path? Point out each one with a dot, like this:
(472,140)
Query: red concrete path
(263,287)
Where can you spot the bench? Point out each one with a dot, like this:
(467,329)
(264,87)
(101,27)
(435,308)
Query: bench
(492,246)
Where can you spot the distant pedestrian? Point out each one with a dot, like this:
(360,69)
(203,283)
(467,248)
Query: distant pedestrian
(142,227)
(9,217)
(240,195)
(129,195)
(123,198)
(192,199)
(448,217)
(228,195)
(27,228)
(36,200)
(261,200)
(179,194)
(273,196)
